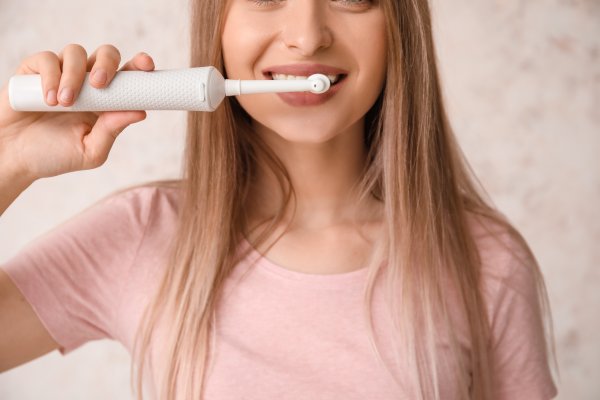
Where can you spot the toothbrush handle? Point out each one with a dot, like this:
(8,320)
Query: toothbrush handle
(191,89)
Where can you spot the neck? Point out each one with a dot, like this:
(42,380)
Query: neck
(324,175)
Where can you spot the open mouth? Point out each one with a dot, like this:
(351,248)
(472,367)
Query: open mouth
(334,79)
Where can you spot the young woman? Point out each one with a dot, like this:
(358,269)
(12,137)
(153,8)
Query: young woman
(327,246)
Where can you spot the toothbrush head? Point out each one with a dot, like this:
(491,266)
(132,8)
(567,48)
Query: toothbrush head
(320,83)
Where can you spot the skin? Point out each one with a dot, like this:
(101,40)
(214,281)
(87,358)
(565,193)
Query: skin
(321,146)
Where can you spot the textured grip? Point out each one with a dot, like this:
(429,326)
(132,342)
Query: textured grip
(180,89)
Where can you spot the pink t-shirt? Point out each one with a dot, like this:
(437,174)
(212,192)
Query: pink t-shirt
(281,334)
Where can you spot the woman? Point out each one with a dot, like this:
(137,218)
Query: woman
(318,246)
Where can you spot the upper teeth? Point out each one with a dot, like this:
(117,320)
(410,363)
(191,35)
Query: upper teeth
(332,78)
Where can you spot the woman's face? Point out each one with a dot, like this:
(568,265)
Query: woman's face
(269,39)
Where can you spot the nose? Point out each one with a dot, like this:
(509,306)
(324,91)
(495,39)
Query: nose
(305,27)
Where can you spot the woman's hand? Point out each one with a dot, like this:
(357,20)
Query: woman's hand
(43,144)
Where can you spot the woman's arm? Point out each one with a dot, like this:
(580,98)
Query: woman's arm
(23,337)
(34,145)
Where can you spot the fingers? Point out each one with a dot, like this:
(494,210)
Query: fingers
(63,74)
(141,62)
(74,61)
(104,133)
(48,65)
(103,64)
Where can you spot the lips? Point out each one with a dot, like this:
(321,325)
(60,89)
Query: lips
(306,98)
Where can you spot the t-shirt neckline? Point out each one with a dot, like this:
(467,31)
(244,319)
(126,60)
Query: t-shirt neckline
(264,264)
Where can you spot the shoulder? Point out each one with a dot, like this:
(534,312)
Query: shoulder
(507,263)
(143,202)
(163,194)
(500,245)
(121,216)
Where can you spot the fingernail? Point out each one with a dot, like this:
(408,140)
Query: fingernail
(51,96)
(66,95)
(99,76)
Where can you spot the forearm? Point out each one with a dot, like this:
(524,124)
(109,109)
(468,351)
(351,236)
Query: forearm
(13,182)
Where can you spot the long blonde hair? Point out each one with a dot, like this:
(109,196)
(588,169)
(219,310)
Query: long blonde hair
(415,169)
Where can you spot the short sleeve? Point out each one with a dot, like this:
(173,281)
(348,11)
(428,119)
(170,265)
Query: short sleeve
(518,347)
(72,275)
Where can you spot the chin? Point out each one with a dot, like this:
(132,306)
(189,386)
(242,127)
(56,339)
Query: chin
(300,132)
(305,138)
(301,136)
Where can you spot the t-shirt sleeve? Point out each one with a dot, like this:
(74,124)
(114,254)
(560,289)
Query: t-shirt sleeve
(72,276)
(518,347)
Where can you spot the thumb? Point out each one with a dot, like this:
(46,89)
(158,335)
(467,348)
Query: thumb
(108,126)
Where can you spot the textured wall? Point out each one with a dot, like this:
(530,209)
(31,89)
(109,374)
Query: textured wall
(522,85)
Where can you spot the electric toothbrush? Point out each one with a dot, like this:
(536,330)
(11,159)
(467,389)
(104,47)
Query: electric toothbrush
(189,89)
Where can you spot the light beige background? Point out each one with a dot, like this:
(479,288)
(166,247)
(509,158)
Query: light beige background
(522,85)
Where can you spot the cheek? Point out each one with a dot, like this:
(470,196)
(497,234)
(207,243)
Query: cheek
(235,43)
(242,41)
(374,53)
(372,67)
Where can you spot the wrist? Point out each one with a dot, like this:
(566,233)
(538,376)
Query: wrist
(13,182)
(12,175)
